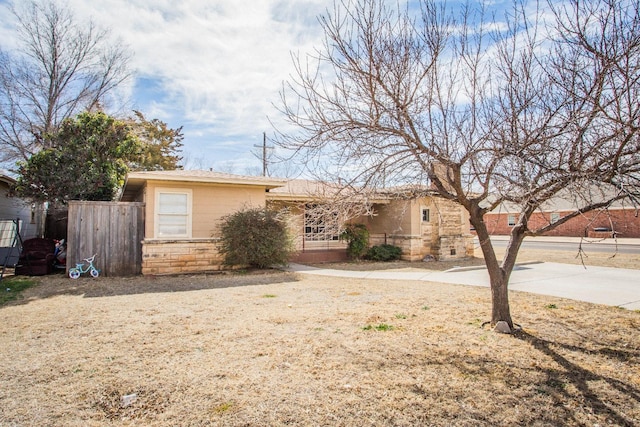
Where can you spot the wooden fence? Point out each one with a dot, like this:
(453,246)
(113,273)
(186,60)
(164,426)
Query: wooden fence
(112,230)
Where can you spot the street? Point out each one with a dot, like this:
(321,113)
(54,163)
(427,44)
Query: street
(588,245)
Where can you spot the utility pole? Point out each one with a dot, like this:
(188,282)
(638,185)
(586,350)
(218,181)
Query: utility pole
(264,153)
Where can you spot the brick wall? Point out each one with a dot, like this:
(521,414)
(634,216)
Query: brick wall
(624,221)
(180,256)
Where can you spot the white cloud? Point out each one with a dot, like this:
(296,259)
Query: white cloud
(214,67)
(220,63)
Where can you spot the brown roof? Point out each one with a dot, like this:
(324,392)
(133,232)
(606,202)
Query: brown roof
(136,180)
(302,189)
(307,190)
(299,190)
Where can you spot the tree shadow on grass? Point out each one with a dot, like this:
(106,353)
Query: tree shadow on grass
(580,377)
(514,391)
(57,285)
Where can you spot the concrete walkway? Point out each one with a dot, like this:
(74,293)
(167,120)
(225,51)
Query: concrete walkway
(601,285)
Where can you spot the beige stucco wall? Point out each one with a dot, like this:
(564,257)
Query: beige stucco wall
(209,204)
(445,236)
(394,224)
(199,253)
(391,219)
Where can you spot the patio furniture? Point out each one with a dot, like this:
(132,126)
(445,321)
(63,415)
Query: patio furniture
(37,257)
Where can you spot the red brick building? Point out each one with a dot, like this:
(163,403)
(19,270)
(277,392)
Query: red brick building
(621,218)
(624,221)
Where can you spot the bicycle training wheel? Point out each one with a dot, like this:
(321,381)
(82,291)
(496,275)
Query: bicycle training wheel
(74,273)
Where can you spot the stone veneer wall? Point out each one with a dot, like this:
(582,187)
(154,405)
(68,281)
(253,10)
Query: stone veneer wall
(445,236)
(450,247)
(180,256)
(411,247)
(453,239)
(455,247)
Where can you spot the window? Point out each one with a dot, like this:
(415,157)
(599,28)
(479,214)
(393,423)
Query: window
(555,217)
(511,220)
(8,232)
(425,215)
(320,224)
(173,213)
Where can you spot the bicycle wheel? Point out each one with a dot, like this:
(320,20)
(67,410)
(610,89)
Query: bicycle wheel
(94,272)
(74,273)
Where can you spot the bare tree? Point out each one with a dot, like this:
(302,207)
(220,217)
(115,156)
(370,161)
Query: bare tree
(61,67)
(489,111)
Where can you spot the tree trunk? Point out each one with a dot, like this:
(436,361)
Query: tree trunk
(500,310)
(498,275)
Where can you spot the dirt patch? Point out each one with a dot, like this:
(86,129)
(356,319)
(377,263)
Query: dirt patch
(398,265)
(59,284)
(276,349)
(587,258)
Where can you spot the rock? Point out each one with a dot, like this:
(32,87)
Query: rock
(502,327)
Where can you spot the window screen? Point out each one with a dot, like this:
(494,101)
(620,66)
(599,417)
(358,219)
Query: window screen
(173,214)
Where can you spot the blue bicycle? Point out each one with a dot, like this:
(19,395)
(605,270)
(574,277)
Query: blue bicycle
(76,271)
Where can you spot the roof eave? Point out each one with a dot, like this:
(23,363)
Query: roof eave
(285,197)
(268,183)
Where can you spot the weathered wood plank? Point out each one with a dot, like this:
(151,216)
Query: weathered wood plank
(112,230)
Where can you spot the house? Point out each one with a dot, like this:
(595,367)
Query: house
(16,215)
(620,219)
(183,210)
(421,226)
(30,215)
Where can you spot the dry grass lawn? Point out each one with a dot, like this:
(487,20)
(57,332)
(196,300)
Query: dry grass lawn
(276,349)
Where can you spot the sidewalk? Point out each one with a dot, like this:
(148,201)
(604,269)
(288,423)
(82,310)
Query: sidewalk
(600,285)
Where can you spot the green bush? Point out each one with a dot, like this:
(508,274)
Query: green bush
(254,237)
(383,253)
(357,237)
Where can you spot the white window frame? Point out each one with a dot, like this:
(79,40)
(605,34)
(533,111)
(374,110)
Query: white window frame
(555,217)
(512,220)
(188,215)
(422,214)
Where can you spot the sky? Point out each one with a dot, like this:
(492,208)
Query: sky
(214,67)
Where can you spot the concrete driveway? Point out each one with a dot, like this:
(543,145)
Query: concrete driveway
(601,285)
